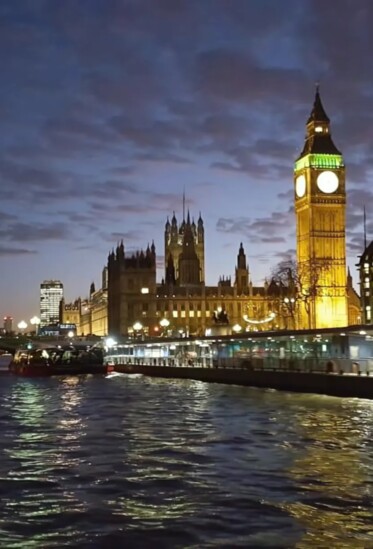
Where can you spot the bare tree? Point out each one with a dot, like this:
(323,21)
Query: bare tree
(300,284)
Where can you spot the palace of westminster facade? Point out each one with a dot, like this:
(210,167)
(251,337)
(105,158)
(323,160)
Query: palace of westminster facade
(131,300)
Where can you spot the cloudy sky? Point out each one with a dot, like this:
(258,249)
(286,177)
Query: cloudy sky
(109,109)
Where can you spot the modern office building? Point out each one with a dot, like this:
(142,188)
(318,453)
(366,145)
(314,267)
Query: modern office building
(51,294)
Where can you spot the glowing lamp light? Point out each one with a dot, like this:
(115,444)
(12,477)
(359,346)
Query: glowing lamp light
(137,326)
(110,342)
(164,323)
(144,290)
(70,334)
(35,321)
(22,325)
(236,328)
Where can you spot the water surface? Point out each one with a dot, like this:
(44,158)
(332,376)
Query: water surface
(139,462)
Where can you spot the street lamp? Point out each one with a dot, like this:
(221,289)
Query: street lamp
(290,306)
(110,342)
(236,328)
(164,324)
(137,327)
(22,325)
(35,321)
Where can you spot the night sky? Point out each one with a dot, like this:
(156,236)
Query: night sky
(109,109)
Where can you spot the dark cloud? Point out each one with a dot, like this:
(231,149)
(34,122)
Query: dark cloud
(110,109)
(263,230)
(237,77)
(8,251)
(36,232)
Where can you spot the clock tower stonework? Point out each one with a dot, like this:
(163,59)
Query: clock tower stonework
(320,207)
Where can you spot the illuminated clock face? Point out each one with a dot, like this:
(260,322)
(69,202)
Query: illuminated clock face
(300,186)
(327,182)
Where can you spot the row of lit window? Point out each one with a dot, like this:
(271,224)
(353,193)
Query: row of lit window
(192,307)
(183,314)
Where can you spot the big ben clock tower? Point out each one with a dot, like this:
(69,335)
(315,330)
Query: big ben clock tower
(320,204)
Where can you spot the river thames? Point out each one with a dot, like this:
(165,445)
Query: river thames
(139,462)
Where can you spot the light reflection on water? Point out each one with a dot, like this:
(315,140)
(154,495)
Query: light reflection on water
(159,463)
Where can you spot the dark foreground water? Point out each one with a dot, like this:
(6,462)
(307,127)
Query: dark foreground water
(139,462)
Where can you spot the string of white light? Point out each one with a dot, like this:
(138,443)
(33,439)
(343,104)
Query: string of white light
(263,321)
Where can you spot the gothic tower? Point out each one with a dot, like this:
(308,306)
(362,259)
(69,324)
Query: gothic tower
(320,203)
(174,236)
(242,272)
(189,265)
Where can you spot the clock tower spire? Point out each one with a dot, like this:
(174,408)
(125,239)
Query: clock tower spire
(320,204)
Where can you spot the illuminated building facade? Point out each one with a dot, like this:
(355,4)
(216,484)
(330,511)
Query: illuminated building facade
(89,315)
(51,294)
(320,203)
(131,300)
(365,266)
(70,312)
(136,303)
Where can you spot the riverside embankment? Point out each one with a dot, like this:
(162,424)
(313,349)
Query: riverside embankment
(342,385)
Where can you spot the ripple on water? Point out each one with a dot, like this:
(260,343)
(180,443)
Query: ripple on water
(172,463)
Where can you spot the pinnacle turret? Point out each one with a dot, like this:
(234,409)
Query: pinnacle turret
(318,138)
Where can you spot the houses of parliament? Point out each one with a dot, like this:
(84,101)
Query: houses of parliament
(319,295)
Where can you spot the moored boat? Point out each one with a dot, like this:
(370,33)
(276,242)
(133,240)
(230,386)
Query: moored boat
(332,361)
(5,360)
(58,360)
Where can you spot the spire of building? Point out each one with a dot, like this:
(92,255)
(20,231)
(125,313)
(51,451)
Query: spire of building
(184,204)
(318,113)
(318,138)
(242,272)
(241,258)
